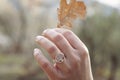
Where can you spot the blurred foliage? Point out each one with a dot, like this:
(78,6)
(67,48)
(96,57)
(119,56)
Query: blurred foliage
(22,20)
(101,35)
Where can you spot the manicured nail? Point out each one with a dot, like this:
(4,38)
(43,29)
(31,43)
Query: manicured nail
(36,52)
(38,38)
(45,31)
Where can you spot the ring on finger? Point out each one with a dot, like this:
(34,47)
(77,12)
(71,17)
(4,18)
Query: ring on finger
(59,58)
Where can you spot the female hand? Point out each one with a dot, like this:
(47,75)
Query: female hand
(74,61)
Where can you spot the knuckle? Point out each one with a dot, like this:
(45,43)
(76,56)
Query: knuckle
(52,49)
(75,62)
(58,37)
(68,32)
(45,65)
(84,53)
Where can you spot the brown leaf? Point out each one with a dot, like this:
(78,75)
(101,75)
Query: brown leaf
(69,12)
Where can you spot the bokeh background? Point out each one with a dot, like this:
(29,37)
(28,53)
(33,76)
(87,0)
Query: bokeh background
(22,20)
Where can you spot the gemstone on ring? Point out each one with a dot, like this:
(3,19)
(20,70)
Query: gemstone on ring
(59,58)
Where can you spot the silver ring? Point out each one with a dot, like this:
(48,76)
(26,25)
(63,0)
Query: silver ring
(59,58)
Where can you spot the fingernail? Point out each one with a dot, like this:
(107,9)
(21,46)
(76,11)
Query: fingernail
(45,31)
(38,38)
(36,52)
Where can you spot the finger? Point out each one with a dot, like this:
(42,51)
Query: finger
(64,67)
(59,40)
(52,50)
(74,41)
(44,63)
(48,45)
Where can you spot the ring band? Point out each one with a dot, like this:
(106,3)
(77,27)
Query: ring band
(59,58)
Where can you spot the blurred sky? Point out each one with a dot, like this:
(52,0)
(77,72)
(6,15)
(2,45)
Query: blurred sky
(113,3)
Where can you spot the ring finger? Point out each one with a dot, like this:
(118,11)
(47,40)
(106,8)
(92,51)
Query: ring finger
(53,51)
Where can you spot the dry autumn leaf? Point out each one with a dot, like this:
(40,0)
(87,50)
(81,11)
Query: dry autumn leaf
(69,12)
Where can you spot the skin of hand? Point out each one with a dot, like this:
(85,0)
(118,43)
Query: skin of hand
(76,65)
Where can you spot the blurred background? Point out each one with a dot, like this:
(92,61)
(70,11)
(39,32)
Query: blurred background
(22,20)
